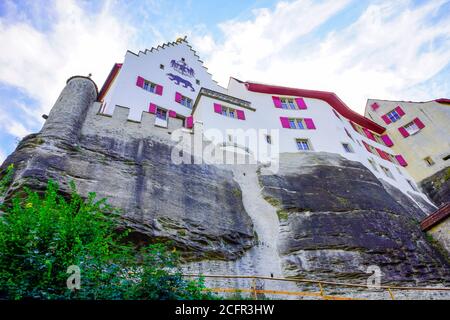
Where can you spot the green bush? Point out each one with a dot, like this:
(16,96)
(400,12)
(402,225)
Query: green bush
(41,236)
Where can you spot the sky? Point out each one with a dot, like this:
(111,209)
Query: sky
(398,50)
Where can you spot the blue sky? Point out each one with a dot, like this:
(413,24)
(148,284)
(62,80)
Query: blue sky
(358,49)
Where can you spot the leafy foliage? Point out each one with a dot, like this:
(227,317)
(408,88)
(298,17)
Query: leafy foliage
(42,235)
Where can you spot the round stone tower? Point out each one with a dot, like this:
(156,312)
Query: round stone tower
(69,112)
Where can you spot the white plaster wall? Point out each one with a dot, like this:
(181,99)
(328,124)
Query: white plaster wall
(328,136)
(124,91)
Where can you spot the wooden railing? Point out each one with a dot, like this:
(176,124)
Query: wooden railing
(316,294)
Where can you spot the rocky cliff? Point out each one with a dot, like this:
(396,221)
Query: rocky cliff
(337,218)
(320,216)
(437,187)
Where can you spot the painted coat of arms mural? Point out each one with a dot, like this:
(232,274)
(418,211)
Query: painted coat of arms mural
(182,68)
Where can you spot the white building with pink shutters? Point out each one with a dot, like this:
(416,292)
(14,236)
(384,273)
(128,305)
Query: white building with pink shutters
(171,82)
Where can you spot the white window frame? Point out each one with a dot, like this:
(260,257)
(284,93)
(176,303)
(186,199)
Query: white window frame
(302,141)
(411,128)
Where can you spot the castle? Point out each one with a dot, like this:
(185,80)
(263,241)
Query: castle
(171,82)
(338,200)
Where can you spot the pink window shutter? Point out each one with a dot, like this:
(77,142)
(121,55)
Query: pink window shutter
(301,103)
(403,132)
(240,114)
(419,123)
(159,90)
(369,134)
(400,111)
(189,122)
(172,114)
(380,152)
(374,106)
(367,147)
(309,123)
(401,160)
(152,108)
(285,122)
(217,108)
(178,97)
(386,119)
(387,140)
(276,101)
(140,82)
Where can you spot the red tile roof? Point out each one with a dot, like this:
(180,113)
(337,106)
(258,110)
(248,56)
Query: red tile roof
(439,215)
(331,98)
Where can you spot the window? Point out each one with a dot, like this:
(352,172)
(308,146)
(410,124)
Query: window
(303,144)
(185,101)
(197,82)
(288,103)
(372,163)
(149,86)
(296,123)
(268,139)
(387,172)
(161,114)
(399,171)
(161,66)
(182,59)
(411,128)
(392,158)
(412,185)
(429,161)
(393,116)
(347,147)
(229,112)
(161,118)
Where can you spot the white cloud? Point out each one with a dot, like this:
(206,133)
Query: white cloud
(13,127)
(387,51)
(77,42)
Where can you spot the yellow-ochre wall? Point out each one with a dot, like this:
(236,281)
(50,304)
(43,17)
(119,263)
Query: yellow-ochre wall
(431,141)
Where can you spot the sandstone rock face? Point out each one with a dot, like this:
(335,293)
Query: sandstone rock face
(437,187)
(197,207)
(336,219)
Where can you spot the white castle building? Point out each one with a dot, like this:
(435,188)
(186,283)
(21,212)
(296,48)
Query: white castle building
(171,82)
